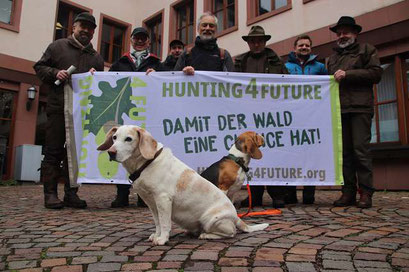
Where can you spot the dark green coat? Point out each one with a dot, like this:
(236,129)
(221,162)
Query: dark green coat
(274,64)
(363,70)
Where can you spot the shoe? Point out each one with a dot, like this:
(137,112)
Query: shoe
(290,199)
(254,203)
(141,203)
(346,199)
(51,201)
(365,200)
(308,200)
(71,199)
(278,203)
(120,202)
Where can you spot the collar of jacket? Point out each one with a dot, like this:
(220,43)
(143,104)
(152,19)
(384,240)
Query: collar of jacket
(135,175)
(239,161)
(206,44)
(271,55)
(171,60)
(88,48)
(128,55)
(292,57)
(349,49)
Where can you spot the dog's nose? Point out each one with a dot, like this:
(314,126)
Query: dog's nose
(112,155)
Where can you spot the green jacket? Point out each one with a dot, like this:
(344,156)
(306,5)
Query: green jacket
(274,64)
(363,70)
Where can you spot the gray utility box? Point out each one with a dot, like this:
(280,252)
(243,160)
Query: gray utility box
(27,163)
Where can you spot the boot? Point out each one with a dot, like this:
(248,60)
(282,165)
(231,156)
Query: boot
(308,195)
(256,197)
(277,194)
(71,198)
(291,195)
(346,199)
(365,200)
(122,196)
(49,177)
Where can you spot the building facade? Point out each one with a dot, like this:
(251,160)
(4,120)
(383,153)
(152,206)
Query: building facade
(28,26)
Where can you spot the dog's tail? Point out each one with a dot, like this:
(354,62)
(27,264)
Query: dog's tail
(241,225)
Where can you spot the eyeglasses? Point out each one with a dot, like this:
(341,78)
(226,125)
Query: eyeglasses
(142,38)
(207,25)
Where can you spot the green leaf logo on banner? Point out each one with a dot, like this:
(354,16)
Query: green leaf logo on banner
(106,111)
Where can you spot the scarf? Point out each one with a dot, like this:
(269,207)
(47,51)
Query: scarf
(206,44)
(139,56)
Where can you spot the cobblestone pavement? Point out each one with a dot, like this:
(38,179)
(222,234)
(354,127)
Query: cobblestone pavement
(315,237)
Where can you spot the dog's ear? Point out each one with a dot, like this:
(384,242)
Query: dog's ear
(147,145)
(259,139)
(108,140)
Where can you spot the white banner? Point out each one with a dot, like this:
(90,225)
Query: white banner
(199,116)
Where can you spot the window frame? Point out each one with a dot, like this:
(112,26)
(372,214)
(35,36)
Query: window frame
(15,17)
(173,24)
(252,16)
(72,6)
(401,100)
(154,18)
(208,7)
(125,40)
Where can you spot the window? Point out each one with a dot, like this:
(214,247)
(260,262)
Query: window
(226,13)
(114,42)
(385,126)
(7,105)
(266,6)
(10,12)
(185,21)
(261,9)
(155,28)
(65,18)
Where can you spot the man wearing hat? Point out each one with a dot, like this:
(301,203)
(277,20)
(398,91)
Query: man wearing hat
(75,50)
(176,48)
(357,68)
(205,55)
(261,60)
(138,60)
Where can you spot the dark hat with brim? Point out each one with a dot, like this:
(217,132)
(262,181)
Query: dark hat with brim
(140,30)
(346,21)
(176,42)
(86,17)
(256,31)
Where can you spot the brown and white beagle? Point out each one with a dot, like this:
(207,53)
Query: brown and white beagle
(229,173)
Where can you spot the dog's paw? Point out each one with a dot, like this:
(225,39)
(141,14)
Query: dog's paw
(160,241)
(152,237)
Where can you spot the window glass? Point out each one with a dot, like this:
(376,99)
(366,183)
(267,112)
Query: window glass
(280,3)
(387,88)
(5,11)
(264,6)
(230,16)
(388,123)
(6,114)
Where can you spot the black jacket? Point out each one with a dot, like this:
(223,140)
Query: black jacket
(205,56)
(273,65)
(126,64)
(168,64)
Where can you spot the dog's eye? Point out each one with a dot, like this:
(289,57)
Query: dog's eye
(128,139)
(114,137)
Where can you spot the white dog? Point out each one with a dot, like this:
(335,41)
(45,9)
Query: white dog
(171,189)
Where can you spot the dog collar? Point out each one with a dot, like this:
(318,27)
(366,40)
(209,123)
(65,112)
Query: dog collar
(239,161)
(135,175)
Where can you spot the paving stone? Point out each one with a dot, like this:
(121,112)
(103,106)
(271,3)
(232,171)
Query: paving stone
(84,260)
(67,268)
(332,264)
(232,262)
(204,255)
(199,266)
(53,262)
(300,267)
(96,267)
(22,264)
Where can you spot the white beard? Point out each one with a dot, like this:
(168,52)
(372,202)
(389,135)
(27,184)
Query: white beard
(343,44)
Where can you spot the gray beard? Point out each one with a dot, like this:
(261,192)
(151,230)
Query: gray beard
(346,43)
(206,37)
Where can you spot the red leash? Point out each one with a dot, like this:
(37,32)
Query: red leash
(265,212)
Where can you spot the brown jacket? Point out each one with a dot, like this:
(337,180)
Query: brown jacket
(363,70)
(60,55)
(272,65)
